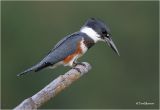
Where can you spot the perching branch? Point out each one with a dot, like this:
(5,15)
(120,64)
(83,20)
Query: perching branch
(52,89)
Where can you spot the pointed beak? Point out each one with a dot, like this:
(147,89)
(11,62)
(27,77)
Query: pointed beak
(112,45)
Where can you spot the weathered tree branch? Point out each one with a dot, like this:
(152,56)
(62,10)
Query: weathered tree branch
(52,89)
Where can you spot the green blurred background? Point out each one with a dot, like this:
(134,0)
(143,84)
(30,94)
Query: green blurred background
(31,29)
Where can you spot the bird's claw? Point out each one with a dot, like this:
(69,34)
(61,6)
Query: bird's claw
(77,69)
(80,63)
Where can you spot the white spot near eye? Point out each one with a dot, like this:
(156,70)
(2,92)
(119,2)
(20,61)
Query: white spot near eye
(108,35)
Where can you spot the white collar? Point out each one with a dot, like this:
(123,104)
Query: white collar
(91,33)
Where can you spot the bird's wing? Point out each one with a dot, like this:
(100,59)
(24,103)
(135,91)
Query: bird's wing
(63,48)
(63,40)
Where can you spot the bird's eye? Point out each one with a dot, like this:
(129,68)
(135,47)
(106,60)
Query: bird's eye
(104,32)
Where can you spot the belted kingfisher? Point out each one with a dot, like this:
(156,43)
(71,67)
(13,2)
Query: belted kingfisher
(70,48)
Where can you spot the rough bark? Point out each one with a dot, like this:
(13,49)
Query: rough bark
(55,87)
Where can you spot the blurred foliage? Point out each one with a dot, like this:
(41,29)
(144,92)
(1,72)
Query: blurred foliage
(31,29)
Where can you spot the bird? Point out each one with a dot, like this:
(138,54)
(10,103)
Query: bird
(73,46)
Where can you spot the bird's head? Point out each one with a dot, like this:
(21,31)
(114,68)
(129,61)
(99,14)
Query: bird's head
(99,31)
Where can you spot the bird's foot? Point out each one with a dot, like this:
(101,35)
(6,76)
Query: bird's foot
(77,69)
(79,63)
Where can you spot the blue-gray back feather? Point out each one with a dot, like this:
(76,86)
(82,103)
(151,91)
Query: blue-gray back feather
(64,48)
(61,50)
